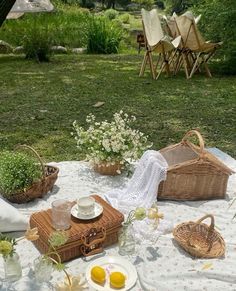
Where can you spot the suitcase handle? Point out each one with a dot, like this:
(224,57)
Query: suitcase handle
(92,242)
(200,138)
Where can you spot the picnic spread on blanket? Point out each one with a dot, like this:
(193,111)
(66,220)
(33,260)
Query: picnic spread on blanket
(116,234)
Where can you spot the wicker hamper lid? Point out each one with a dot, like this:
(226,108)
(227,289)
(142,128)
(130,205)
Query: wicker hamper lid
(199,239)
(192,154)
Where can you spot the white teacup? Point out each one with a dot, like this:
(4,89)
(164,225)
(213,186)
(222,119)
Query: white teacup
(86,205)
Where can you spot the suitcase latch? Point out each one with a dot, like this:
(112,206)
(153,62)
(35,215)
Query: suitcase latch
(92,242)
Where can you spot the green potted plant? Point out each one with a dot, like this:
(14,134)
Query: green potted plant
(110,146)
(22,178)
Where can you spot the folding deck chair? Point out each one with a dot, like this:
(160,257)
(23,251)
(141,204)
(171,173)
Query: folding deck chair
(156,41)
(184,56)
(197,51)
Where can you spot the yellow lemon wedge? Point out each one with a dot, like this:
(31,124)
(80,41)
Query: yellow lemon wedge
(98,274)
(117,280)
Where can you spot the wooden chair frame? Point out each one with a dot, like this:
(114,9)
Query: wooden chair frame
(164,60)
(195,59)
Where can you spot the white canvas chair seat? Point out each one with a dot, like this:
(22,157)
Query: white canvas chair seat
(207,47)
(197,51)
(156,41)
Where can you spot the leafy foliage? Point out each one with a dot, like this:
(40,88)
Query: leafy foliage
(37,43)
(7,245)
(17,172)
(179,6)
(111,13)
(66,26)
(104,36)
(125,18)
(146,3)
(218,22)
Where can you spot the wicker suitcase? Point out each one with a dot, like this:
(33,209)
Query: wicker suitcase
(193,173)
(85,237)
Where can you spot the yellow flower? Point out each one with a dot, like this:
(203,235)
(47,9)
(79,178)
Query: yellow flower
(5,248)
(32,234)
(155,215)
(73,283)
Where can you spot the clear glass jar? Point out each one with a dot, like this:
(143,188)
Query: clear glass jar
(12,268)
(126,240)
(43,269)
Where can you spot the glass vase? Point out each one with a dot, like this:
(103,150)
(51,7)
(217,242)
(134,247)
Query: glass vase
(12,268)
(43,269)
(126,240)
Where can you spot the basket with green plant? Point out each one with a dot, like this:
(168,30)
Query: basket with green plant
(22,179)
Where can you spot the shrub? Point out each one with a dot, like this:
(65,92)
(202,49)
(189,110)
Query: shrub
(89,4)
(67,26)
(17,172)
(125,18)
(117,22)
(111,14)
(103,36)
(179,6)
(37,43)
(218,23)
(145,3)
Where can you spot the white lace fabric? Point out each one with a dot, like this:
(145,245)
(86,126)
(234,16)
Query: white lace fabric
(141,190)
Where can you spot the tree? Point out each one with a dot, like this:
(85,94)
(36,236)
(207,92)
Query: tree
(218,23)
(179,6)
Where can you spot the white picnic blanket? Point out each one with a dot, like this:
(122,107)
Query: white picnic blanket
(161,265)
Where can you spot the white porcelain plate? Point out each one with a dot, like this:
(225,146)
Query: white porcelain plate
(112,264)
(98,209)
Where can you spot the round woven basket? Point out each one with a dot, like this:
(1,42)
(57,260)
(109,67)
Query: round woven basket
(199,239)
(39,188)
(107,169)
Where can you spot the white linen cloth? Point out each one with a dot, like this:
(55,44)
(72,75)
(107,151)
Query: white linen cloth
(161,266)
(141,190)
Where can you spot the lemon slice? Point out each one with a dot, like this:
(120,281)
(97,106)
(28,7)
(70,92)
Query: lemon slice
(117,280)
(98,274)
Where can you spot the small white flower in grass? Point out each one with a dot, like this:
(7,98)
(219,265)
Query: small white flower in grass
(118,172)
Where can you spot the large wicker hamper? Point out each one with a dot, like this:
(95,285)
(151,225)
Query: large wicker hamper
(105,227)
(193,173)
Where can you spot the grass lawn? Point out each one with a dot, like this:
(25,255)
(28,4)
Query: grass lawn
(39,102)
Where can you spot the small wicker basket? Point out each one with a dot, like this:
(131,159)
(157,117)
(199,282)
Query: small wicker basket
(39,188)
(108,169)
(199,239)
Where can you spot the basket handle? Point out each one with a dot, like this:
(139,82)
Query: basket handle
(37,155)
(211,227)
(200,138)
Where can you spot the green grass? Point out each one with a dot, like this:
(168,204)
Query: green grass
(39,102)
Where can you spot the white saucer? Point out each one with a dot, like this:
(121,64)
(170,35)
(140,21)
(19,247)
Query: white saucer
(98,209)
(113,264)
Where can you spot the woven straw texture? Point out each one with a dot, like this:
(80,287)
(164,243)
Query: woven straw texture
(40,188)
(193,173)
(105,169)
(199,239)
(111,219)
